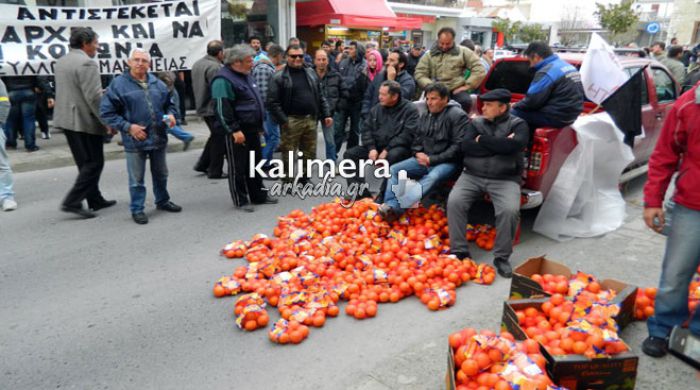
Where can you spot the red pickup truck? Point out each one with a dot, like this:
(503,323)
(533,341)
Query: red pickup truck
(551,146)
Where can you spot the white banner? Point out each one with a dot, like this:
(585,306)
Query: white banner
(601,70)
(174,32)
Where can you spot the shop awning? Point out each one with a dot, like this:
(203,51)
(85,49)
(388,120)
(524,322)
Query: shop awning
(372,14)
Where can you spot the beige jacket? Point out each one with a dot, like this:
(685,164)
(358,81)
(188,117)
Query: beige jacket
(78,94)
(449,68)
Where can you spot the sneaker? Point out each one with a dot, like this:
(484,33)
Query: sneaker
(9,205)
(503,267)
(46,135)
(655,346)
(462,255)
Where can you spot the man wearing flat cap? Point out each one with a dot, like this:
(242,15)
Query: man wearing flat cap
(492,163)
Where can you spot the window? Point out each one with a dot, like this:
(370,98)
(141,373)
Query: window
(645,91)
(664,85)
(514,76)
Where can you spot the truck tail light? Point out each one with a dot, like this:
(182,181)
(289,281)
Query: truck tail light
(539,157)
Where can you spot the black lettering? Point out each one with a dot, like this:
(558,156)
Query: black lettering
(94,14)
(196,30)
(119,67)
(13,65)
(182,62)
(180,28)
(104,64)
(81,13)
(10,35)
(34,52)
(69,13)
(48,13)
(108,12)
(57,51)
(103,51)
(120,30)
(166,8)
(152,11)
(139,31)
(155,51)
(137,12)
(122,50)
(42,66)
(23,13)
(123,13)
(55,34)
(33,33)
(182,9)
(152,30)
(195,5)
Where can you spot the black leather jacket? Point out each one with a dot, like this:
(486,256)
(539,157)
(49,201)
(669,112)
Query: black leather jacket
(439,135)
(279,95)
(389,127)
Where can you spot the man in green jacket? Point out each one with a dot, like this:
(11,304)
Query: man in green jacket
(452,65)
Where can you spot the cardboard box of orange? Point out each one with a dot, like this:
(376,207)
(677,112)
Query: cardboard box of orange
(576,371)
(523,287)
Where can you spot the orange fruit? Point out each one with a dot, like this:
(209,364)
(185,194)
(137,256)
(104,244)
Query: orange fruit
(295,337)
(579,347)
(470,367)
(219,291)
(262,320)
(251,325)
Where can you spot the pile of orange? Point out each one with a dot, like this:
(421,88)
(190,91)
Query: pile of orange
(566,327)
(486,361)
(646,299)
(250,312)
(336,253)
(484,235)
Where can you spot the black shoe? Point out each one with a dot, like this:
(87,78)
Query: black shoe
(198,168)
(217,177)
(140,218)
(102,204)
(462,255)
(79,211)
(503,267)
(33,149)
(186,144)
(655,346)
(268,200)
(169,206)
(248,208)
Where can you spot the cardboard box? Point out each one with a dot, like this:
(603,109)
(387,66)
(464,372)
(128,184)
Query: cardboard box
(522,287)
(450,381)
(576,371)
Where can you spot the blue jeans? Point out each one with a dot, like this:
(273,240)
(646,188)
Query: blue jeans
(179,133)
(272,137)
(22,117)
(680,261)
(6,181)
(427,177)
(136,167)
(329,137)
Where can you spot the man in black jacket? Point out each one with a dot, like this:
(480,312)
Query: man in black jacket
(492,151)
(555,95)
(413,58)
(395,70)
(353,69)
(387,131)
(435,150)
(296,102)
(334,89)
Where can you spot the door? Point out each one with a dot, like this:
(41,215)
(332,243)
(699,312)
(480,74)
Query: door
(666,93)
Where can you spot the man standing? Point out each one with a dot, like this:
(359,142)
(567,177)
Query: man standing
(296,101)
(448,64)
(77,113)
(334,90)
(256,43)
(7,195)
(395,70)
(387,131)
(211,161)
(435,150)
(262,74)
(240,111)
(135,103)
(677,150)
(492,151)
(674,64)
(555,95)
(413,59)
(658,50)
(353,69)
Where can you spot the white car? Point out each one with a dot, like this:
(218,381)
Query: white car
(500,53)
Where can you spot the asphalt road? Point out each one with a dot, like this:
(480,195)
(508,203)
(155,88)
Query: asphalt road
(107,304)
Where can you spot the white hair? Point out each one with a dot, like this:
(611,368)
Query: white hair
(139,50)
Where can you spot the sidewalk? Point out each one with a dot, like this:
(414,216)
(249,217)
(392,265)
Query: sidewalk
(55,152)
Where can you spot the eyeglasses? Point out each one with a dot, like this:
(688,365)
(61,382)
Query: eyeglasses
(295,56)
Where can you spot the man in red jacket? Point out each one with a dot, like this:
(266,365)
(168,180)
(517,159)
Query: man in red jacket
(678,149)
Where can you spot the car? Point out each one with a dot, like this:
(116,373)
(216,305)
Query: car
(501,53)
(550,147)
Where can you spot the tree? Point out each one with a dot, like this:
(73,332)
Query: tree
(616,18)
(505,27)
(532,32)
(570,23)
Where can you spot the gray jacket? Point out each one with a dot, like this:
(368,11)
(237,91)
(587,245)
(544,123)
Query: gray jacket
(676,68)
(4,104)
(78,94)
(203,72)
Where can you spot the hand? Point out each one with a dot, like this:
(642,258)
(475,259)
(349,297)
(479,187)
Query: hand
(171,121)
(654,213)
(382,155)
(238,137)
(463,88)
(373,154)
(50,102)
(138,132)
(511,135)
(423,159)
(111,131)
(390,73)
(477,138)
(328,122)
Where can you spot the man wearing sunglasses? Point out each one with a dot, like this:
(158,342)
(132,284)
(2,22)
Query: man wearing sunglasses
(296,102)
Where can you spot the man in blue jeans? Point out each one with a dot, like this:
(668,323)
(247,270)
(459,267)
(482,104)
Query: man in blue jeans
(435,151)
(7,195)
(135,104)
(677,150)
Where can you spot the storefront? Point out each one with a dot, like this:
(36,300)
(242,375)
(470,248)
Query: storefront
(271,20)
(360,20)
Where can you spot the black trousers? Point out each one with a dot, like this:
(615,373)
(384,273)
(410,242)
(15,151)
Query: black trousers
(464,99)
(42,112)
(244,188)
(359,152)
(88,153)
(212,159)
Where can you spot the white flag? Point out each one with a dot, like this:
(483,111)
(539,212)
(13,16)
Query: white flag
(601,70)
